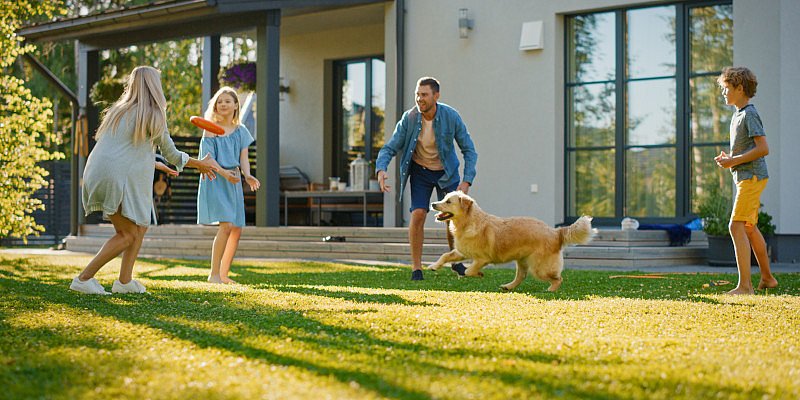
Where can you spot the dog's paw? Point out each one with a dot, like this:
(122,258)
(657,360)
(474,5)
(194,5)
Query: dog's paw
(434,267)
(504,289)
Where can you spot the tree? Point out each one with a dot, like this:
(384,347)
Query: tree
(25,121)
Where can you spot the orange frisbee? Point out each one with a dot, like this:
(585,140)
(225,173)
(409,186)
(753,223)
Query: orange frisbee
(203,123)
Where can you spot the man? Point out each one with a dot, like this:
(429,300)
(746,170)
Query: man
(424,139)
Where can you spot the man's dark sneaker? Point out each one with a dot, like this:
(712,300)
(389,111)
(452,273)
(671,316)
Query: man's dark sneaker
(416,275)
(459,268)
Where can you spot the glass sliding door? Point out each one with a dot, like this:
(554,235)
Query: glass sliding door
(359,108)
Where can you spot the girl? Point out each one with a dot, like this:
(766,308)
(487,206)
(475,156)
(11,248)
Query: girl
(222,202)
(118,179)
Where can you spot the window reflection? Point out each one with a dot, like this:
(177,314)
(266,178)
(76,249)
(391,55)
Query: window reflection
(651,112)
(651,42)
(711,38)
(711,49)
(710,116)
(362,92)
(650,131)
(592,51)
(592,115)
(592,182)
(650,182)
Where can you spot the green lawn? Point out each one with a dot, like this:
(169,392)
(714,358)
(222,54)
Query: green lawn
(327,330)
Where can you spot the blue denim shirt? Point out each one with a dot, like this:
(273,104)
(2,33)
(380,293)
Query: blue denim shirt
(448,127)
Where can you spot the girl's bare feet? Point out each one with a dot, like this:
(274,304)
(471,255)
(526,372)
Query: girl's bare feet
(740,290)
(767,283)
(228,281)
(214,279)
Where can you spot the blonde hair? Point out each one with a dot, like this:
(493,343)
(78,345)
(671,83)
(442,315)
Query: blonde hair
(144,97)
(739,76)
(211,109)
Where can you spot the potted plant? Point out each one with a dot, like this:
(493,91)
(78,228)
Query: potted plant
(715,210)
(240,76)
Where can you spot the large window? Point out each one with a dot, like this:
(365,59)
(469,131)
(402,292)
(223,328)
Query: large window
(644,115)
(360,86)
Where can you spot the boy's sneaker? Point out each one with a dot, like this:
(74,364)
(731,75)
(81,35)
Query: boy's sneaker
(459,268)
(90,286)
(131,287)
(416,275)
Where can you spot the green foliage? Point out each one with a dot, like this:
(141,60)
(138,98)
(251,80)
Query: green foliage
(240,75)
(25,122)
(181,76)
(715,210)
(765,224)
(313,330)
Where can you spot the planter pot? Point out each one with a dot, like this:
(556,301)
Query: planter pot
(721,253)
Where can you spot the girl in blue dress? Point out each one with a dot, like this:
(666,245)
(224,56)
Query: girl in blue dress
(221,201)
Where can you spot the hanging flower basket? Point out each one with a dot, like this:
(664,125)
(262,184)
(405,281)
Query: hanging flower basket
(240,76)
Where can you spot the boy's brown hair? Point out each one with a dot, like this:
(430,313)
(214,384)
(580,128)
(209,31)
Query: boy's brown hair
(739,76)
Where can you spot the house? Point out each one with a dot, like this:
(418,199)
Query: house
(601,107)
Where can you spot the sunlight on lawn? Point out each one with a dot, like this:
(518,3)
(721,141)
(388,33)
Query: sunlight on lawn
(334,330)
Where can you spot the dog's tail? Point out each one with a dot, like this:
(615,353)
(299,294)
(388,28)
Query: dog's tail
(579,232)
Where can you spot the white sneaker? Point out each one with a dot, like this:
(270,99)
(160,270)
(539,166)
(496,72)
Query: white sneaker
(133,286)
(90,286)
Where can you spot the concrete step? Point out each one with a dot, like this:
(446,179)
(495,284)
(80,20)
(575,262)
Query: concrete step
(637,249)
(292,233)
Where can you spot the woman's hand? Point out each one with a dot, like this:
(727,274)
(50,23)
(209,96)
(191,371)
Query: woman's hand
(230,176)
(208,167)
(252,182)
(165,169)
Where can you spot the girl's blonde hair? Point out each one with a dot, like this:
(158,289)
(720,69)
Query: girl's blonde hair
(211,109)
(144,97)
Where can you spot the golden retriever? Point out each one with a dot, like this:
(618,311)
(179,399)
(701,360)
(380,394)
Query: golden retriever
(488,239)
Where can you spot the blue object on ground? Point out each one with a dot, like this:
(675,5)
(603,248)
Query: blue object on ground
(679,235)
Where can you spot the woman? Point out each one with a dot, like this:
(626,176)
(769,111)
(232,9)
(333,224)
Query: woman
(118,179)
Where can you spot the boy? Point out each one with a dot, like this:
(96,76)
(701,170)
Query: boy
(749,168)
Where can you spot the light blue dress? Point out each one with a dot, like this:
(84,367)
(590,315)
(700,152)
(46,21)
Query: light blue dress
(219,200)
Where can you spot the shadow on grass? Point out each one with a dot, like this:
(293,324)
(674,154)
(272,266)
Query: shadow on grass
(162,310)
(578,284)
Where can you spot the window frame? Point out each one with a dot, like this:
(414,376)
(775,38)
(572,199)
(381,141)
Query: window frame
(337,160)
(683,145)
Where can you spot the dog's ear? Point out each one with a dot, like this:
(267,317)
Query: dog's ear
(466,203)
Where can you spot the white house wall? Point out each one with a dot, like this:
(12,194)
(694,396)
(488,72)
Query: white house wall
(765,40)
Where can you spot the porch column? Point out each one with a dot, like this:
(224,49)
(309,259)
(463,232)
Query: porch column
(88,73)
(211,51)
(267,127)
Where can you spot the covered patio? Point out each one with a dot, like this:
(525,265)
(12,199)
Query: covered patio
(210,20)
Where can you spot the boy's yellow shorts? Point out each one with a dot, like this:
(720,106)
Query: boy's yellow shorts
(748,200)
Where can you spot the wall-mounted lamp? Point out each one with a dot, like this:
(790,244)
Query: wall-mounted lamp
(283,88)
(464,23)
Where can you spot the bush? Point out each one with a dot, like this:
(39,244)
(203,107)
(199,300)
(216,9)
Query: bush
(716,212)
